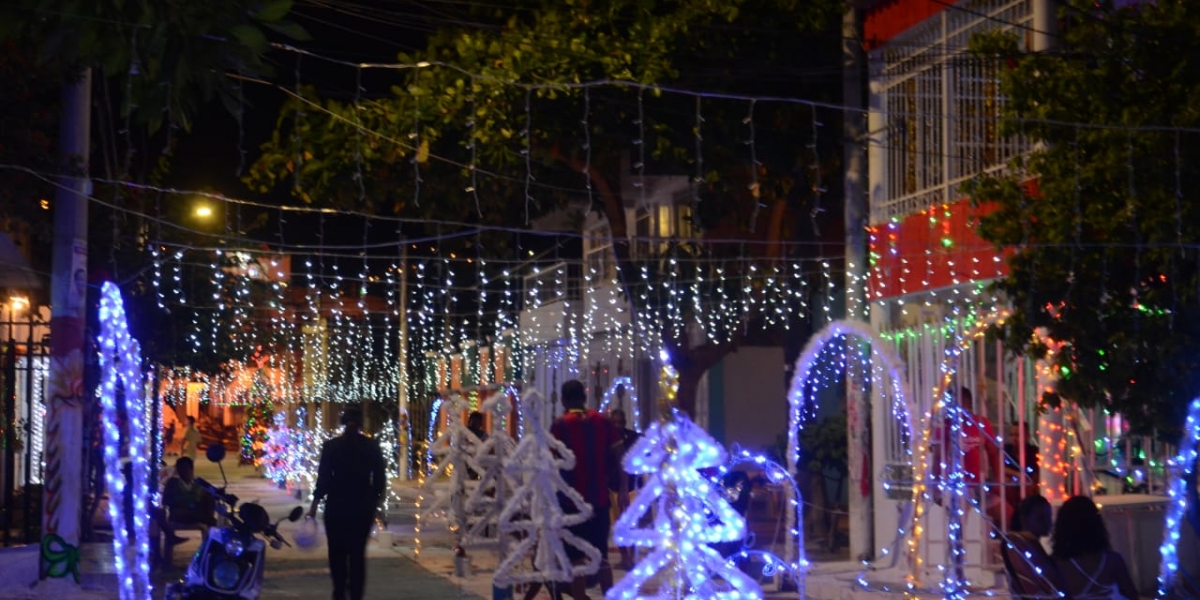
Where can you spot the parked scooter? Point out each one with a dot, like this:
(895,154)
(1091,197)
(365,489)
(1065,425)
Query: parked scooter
(229,564)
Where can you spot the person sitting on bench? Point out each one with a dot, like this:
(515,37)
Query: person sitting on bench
(189,505)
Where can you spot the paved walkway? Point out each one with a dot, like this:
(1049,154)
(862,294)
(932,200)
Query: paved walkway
(292,573)
(397,568)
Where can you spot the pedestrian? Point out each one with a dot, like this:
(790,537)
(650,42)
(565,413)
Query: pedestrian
(621,484)
(980,453)
(190,443)
(351,479)
(169,437)
(1090,569)
(594,441)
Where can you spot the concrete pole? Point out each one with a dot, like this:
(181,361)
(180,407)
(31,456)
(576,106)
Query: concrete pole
(62,501)
(858,397)
(1045,25)
(402,423)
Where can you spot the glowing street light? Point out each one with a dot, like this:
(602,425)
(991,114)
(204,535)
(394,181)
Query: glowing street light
(204,211)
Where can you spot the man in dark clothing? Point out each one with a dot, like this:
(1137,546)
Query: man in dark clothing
(594,440)
(351,479)
(189,503)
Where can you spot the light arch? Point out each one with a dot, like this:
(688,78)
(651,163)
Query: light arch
(611,392)
(880,351)
(1184,466)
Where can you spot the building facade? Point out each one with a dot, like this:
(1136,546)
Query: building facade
(934,123)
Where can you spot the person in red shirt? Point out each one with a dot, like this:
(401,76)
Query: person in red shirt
(593,439)
(977,444)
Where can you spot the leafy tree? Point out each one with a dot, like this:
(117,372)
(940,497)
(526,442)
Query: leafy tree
(1102,217)
(27,125)
(156,64)
(469,106)
(171,55)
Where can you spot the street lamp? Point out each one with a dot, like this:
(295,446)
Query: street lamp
(204,211)
(18,303)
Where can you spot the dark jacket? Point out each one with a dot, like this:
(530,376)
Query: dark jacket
(351,477)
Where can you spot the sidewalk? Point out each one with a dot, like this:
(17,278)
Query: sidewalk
(291,573)
(396,567)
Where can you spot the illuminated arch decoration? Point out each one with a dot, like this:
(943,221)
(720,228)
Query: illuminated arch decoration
(772,564)
(611,392)
(120,367)
(945,402)
(882,356)
(1183,466)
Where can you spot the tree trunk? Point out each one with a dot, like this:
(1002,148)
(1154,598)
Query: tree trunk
(690,362)
(689,387)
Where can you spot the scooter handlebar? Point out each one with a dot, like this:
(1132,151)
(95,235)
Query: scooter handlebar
(218,492)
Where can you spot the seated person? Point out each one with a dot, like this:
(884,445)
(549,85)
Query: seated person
(1031,572)
(187,502)
(158,516)
(1090,569)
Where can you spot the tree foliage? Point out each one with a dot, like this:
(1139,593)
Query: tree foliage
(171,56)
(156,63)
(1103,217)
(488,104)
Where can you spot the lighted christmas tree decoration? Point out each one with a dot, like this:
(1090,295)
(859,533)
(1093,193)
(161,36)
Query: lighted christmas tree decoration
(454,449)
(534,514)
(496,483)
(276,450)
(689,512)
(1183,469)
(259,416)
(121,379)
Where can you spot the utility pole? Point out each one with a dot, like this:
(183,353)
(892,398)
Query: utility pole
(856,208)
(62,500)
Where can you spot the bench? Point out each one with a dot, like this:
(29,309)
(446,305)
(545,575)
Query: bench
(169,552)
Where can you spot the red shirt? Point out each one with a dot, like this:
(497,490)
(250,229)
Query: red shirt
(589,435)
(978,443)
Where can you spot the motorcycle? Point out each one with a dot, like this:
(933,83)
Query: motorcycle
(230,562)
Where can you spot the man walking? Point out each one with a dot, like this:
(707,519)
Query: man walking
(593,439)
(352,480)
(191,440)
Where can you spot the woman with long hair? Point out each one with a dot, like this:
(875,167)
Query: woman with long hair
(1090,569)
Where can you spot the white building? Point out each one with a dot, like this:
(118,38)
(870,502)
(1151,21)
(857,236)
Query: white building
(934,122)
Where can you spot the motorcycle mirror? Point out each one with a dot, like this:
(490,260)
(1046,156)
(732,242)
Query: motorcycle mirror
(295,514)
(215,453)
